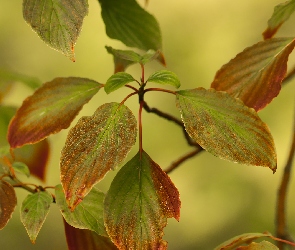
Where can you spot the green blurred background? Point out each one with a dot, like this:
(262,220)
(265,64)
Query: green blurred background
(219,199)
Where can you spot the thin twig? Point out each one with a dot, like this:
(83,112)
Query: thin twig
(290,76)
(189,140)
(175,164)
(281,223)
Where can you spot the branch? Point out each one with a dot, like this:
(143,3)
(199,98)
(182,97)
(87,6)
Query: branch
(281,224)
(175,164)
(289,77)
(189,140)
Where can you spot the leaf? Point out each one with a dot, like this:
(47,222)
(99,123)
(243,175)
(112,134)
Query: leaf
(264,245)
(126,21)
(35,156)
(281,14)
(9,76)
(226,128)
(57,22)
(21,168)
(149,56)
(95,145)
(123,58)
(87,215)
(256,74)
(165,77)
(233,243)
(50,109)
(78,239)
(138,203)
(7,202)
(34,210)
(117,81)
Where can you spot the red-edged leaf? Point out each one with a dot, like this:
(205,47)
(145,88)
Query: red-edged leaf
(50,109)
(35,156)
(255,75)
(281,14)
(95,145)
(78,239)
(138,203)
(233,243)
(226,128)
(7,202)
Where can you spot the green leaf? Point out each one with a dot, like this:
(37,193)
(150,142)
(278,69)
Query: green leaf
(4,150)
(50,109)
(255,75)
(281,14)
(58,23)
(9,76)
(226,128)
(21,168)
(78,239)
(235,242)
(263,245)
(138,203)
(123,58)
(87,215)
(95,145)
(117,81)
(165,77)
(34,210)
(7,202)
(126,21)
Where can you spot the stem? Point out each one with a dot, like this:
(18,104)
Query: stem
(175,164)
(142,73)
(140,127)
(126,98)
(281,224)
(131,87)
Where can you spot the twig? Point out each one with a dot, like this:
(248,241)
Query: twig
(290,76)
(189,140)
(281,224)
(175,164)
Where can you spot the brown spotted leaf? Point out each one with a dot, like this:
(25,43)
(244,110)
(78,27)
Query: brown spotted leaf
(138,203)
(281,14)
(57,22)
(7,202)
(255,75)
(78,239)
(95,145)
(226,128)
(50,109)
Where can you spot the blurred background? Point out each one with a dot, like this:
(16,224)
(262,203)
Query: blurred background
(219,199)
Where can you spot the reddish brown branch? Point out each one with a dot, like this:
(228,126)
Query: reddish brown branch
(281,224)
(175,164)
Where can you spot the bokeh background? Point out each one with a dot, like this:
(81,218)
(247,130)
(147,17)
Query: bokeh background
(219,199)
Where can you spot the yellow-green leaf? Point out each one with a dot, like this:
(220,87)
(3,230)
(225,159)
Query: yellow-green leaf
(57,22)
(95,145)
(226,128)
(87,215)
(34,210)
(138,203)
